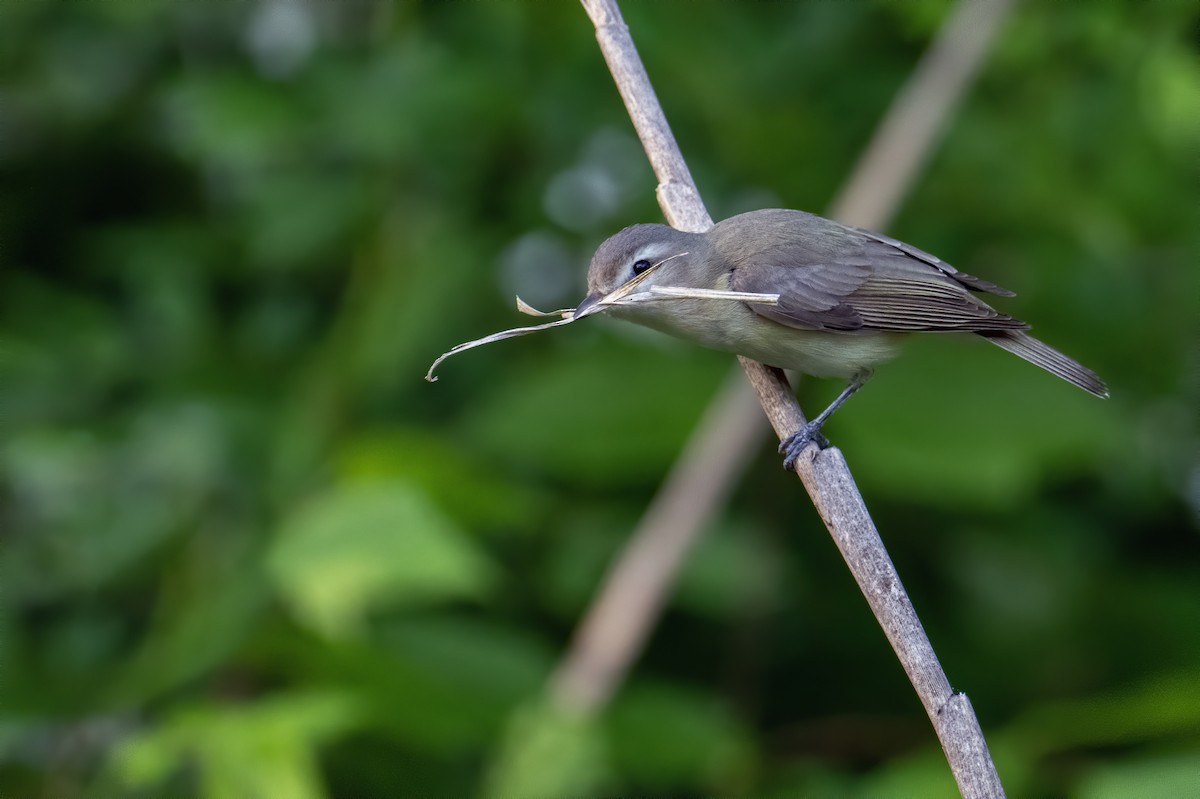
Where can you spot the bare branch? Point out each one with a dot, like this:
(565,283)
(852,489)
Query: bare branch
(617,624)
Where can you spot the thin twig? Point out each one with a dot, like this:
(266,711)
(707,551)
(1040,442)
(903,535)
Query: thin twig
(619,621)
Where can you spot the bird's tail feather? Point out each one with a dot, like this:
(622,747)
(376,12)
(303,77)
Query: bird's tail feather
(1026,346)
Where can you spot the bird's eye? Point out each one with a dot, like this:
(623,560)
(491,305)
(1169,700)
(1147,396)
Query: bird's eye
(640,266)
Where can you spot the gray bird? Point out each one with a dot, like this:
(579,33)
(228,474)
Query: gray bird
(797,291)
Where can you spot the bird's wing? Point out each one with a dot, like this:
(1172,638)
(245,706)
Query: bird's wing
(970,281)
(877,287)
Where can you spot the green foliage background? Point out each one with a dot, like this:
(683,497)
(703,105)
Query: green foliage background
(248,551)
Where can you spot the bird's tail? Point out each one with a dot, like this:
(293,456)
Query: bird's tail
(1026,346)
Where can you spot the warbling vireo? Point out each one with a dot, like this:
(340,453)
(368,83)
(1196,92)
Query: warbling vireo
(797,291)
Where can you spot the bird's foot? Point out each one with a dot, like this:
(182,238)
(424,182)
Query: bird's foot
(793,445)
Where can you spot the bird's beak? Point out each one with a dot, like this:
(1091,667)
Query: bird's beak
(590,305)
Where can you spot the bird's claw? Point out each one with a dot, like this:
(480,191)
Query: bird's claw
(793,445)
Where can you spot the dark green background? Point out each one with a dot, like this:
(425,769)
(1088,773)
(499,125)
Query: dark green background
(248,551)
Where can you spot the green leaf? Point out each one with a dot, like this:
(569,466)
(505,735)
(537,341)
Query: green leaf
(361,546)
(107,500)
(231,118)
(1164,776)
(196,628)
(662,734)
(465,486)
(731,571)
(488,664)
(266,749)
(967,426)
(548,752)
(1165,706)
(617,415)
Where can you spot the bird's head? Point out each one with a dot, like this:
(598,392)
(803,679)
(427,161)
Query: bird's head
(627,265)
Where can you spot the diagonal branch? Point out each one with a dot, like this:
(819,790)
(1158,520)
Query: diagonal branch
(593,669)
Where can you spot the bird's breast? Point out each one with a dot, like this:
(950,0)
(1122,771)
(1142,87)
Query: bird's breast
(733,327)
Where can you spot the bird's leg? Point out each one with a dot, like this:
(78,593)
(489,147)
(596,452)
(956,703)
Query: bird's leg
(794,444)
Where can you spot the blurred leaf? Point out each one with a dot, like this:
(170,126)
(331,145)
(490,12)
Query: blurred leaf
(266,749)
(730,572)
(1135,719)
(40,357)
(419,701)
(104,502)
(925,774)
(661,734)
(490,664)
(969,426)
(640,399)
(232,118)
(359,546)
(576,559)
(1171,93)
(1165,776)
(548,752)
(451,477)
(206,609)
(395,310)
(1165,706)
(303,220)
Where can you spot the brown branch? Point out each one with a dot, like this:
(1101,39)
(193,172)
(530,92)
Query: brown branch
(617,624)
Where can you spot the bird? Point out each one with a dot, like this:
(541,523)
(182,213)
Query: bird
(798,291)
